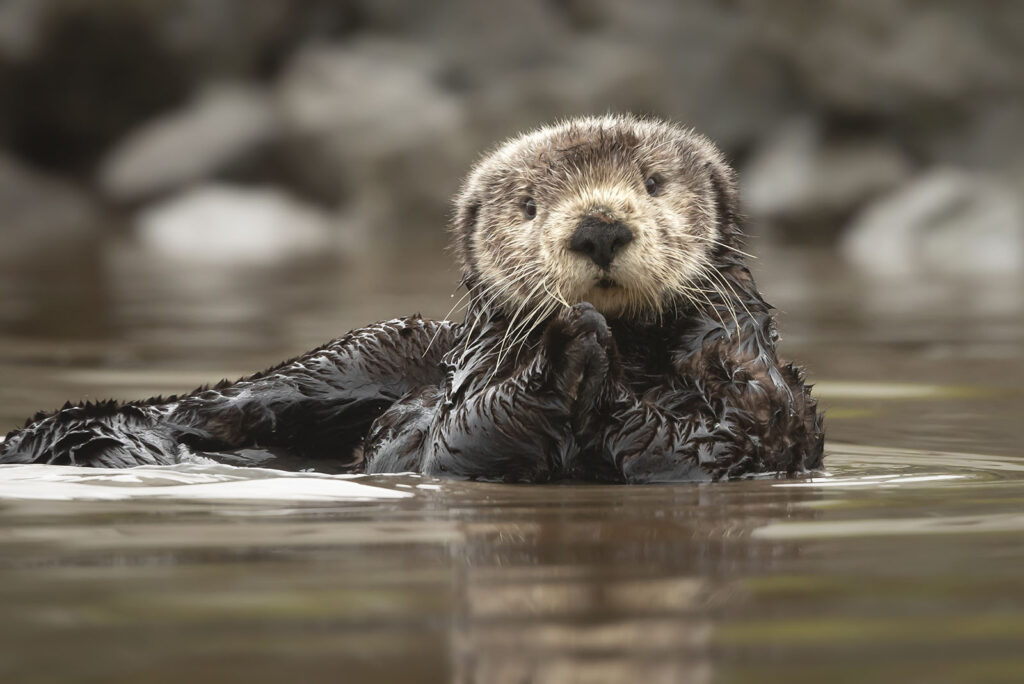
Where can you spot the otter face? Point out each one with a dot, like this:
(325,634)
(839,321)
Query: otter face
(622,212)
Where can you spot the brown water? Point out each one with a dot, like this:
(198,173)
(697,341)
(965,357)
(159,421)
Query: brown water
(905,564)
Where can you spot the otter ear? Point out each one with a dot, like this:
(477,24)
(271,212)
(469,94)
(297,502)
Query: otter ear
(467,209)
(465,218)
(723,185)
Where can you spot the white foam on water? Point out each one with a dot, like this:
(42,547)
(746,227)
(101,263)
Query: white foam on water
(183,482)
(870,481)
(893,527)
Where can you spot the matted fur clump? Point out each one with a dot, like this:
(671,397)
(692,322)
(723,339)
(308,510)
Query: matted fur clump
(613,332)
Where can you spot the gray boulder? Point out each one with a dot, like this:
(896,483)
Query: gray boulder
(894,57)
(221,127)
(371,118)
(804,182)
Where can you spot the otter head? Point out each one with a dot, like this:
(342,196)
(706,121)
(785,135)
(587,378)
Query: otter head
(623,212)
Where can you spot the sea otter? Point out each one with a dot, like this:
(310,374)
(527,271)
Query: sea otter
(613,333)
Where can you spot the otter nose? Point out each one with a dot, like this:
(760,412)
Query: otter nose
(600,240)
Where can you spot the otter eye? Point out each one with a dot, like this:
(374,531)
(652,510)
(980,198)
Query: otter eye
(652,186)
(530,208)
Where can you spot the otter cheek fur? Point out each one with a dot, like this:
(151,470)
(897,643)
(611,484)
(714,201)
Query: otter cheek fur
(613,333)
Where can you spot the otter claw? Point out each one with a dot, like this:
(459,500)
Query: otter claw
(583,319)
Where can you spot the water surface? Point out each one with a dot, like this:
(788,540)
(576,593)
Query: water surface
(904,563)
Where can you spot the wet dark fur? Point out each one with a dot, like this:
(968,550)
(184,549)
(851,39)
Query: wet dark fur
(692,394)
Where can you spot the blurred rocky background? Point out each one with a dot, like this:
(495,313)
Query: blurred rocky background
(164,137)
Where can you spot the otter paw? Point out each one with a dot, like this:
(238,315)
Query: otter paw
(583,319)
(577,349)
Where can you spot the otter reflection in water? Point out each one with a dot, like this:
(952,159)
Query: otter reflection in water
(613,333)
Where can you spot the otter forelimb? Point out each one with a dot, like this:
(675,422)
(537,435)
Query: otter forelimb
(317,406)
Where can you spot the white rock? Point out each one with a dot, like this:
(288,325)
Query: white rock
(220,126)
(223,223)
(947,222)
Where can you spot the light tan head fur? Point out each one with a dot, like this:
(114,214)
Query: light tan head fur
(524,265)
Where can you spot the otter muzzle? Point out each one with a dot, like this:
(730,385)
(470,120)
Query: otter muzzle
(600,240)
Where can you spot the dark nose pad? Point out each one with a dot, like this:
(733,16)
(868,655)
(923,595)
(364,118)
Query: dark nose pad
(600,240)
